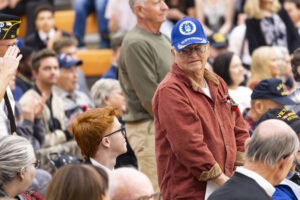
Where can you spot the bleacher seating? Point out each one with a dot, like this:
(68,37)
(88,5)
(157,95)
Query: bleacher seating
(95,61)
(64,21)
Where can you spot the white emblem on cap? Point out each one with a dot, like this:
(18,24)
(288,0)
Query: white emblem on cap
(8,23)
(1,24)
(187,28)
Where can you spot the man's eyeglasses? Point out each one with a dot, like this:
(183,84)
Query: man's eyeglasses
(122,130)
(199,49)
(36,164)
(154,196)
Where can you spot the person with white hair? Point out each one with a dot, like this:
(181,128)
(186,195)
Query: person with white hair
(270,154)
(17,165)
(128,183)
(108,92)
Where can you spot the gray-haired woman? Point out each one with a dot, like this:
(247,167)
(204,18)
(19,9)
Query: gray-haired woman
(17,165)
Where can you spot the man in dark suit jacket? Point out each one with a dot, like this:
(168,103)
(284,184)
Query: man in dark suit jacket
(270,153)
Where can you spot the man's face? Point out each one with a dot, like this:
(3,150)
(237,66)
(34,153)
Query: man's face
(192,59)
(44,21)
(71,51)
(260,106)
(4,44)
(48,71)
(118,142)
(154,11)
(67,79)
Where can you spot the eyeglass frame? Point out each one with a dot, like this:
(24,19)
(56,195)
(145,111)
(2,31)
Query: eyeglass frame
(199,49)
(122,130)
(36,164)
(158,194)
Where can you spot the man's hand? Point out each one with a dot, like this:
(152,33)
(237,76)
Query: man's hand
(220,180)
(39,106)
(10,61)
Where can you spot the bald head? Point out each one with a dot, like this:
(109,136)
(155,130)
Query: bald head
(272,140)
(128,183)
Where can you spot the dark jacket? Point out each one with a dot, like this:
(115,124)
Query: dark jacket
(256,38)
(240,187)
(34,41)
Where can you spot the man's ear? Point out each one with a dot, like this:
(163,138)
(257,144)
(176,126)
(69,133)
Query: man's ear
(259,107)
(284,162)
(139,10)
(105,142)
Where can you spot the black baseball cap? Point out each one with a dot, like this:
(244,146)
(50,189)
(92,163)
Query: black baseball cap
(274,89)
(9,26)
(283,114)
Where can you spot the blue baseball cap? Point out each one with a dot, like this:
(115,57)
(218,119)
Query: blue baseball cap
(187,31)
(273,89)
(66,61)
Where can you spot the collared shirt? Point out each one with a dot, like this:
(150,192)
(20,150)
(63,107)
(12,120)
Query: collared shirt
(45,36)
(4,121)
(95,163)
(262,182)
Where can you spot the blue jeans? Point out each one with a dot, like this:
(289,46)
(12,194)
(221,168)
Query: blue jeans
(82,9)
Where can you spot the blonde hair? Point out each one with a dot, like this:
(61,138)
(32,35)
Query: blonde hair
(260,69)
(253,10)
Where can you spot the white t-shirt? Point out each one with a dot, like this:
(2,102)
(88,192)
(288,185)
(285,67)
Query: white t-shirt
(242,96)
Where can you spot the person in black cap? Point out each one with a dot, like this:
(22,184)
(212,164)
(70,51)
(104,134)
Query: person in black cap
(267,94)
(9,61)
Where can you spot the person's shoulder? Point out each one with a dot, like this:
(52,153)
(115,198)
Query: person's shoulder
(170,82)
(32,37)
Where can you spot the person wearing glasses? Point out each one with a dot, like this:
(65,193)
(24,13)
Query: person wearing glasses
(270,154)
(17,166)
(199,130)
(100,136)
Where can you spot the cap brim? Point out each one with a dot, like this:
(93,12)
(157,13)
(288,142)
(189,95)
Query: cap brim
(285,100)
(183,44)
(219,45)
(72,64)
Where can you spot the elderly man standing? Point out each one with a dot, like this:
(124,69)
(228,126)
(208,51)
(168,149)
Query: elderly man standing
(200,133)
(145,59)
(269,156)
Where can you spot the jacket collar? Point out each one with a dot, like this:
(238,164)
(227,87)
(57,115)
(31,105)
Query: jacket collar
(209,77)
